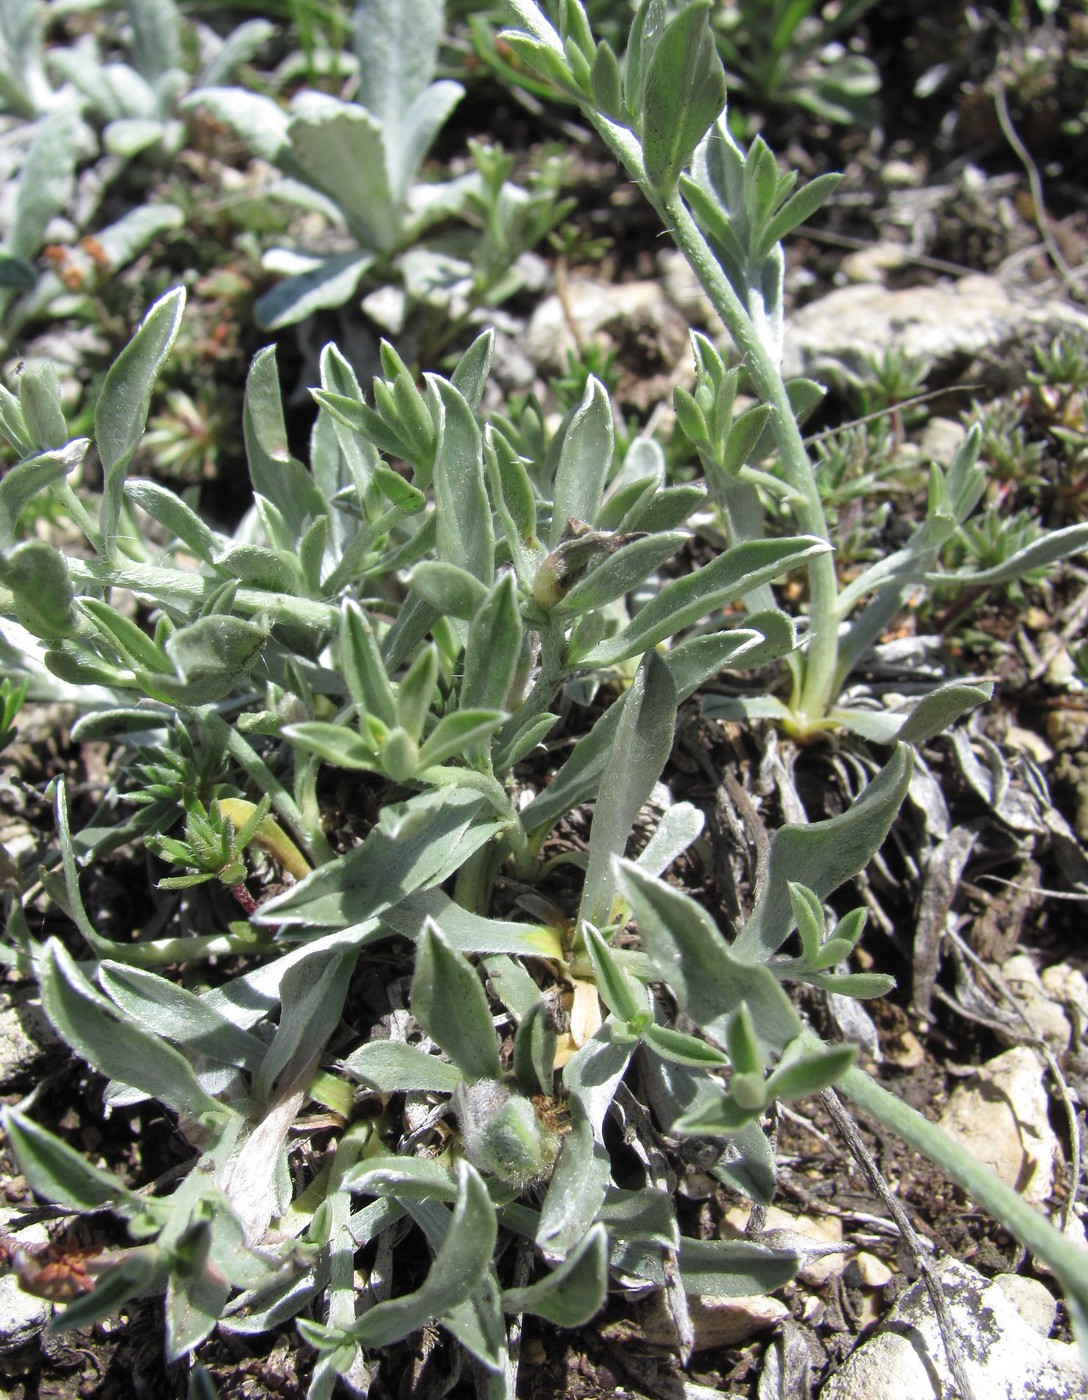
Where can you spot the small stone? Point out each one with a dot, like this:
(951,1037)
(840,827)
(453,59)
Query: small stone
(1029,742)
(1068,987)
(905,1050)
(22,1316)
(1032,1300)
(1045,1015)
(1004,1355)
(25,1036)
(817,1241)
(941,438)
(1002,1119)
(872,1272)
(717,1322)
(872,264)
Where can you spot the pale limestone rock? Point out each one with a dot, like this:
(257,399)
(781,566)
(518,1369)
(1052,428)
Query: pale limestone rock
(1004,1354)
(1001,1119)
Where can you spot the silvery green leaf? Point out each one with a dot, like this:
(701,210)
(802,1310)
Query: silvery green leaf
(276,475)
(613,985)
(507,980)
(125,398)
(534,1050)
(1048,549)
(621,571)
(582,1172)
(179,1015)
(465,535)
(822,855)
(585,459)
(266,1309)
(683,1049)
(682,94)
(694,959)
(456,734)
(648,1214)
(331,282)
(260,121)
(449,1002)
(577,1187)
(128,136)
(415,693)
(450,590)
(45,185)
(43,413)
(61,1175)
(362,665)
(131,642)
(24,480)
(665,510)
(415,844)
(407,1178)
(734,1268)
(942,707)
(810,1072)
(646,28)
(170,511)
(212,657)
(493,649)
(311,998)
(408,140)
(686,600)
(642,744)
(473,368)
(156,37)
(679,826)
(338,147)
(333,743)
(469,932)
(396,42)
(238,47)
(116,1046)
(574,1292)
(43,596)
(799,207)
(123,240)
(522,741)
(192,1307)
(459,1268)
(391,1067)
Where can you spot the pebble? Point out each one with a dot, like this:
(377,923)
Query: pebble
(22,1316)
(1001,1117)
(998,1325)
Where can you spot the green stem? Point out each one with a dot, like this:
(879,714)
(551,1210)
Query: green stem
(163,585)
(822,655)
(311,838)
(817,689)
(1065,1259)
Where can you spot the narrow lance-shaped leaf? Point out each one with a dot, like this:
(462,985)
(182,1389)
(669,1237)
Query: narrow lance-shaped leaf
(642,745)
(682,94)
(449,1002)
(465,535)
(115,1046)
(685,600)
(821,855)
(574,1292)
(458,1270)
(709,982)
(121,413)
(584,461)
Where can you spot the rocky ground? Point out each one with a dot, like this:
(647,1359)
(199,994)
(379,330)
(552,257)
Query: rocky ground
(939,248)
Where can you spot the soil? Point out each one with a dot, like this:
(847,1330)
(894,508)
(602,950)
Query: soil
(923,1053)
